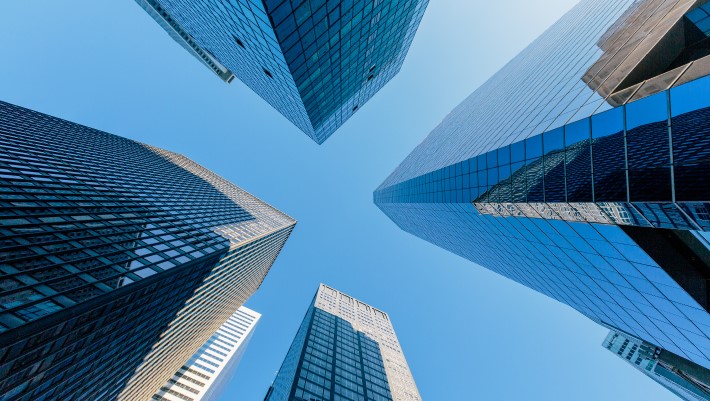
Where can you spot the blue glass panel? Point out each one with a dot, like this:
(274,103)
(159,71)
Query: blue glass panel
(535,180)
(690,105)
(608,156)
(492,159)
(648,149)
(554,140)
(517,152)
(504,155)
(577,132)
(554,166)
(533,147)
(518,182)
(481,162)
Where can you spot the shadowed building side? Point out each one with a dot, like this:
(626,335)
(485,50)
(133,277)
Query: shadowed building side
(119,259)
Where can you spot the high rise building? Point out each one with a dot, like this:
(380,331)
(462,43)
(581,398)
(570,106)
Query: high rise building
(344,350)
(580,170)
(684,379)
(315,61)
(203,377)
(119,259)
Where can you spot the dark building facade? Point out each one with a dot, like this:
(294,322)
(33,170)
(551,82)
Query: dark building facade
(315,61)
(580,170)
(344,350)
(118,259)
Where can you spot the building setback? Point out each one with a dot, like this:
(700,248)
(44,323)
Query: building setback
(204,376)
(317,62)
(119,259)
(344,349)
(580,170)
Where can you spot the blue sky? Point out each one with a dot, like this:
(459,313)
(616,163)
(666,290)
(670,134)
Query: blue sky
(467,333)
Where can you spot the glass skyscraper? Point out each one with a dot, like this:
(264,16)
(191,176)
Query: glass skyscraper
(684,379)
(344,350)
(580,170)
(315,61)
(119,259)
(204,376)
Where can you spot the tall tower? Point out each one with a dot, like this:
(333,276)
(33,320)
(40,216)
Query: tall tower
(580,170)
(203,377)
(684,379)
(344,348)
(317,62)
(119,259)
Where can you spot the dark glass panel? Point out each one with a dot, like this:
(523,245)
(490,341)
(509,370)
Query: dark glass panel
(690,128)
(535,180)
(578,161)
(608,156)
(518,182)
(648,149)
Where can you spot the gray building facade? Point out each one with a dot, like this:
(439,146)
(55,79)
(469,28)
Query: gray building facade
(118,260)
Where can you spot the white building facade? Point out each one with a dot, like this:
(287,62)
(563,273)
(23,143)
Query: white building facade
(206,373)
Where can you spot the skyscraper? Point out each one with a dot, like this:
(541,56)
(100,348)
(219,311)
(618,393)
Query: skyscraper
(119,259)
(315,61)
(580,171)
(203,377)
(684,379)
(344,350)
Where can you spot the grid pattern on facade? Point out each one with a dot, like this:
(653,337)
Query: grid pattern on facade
(643,164)
(548,76)
(345,350)
(316,62)
(92,354)
(199,379)
(342,53)
(88,216)
(238,275)
(652,362)
(239,34)
(500,146)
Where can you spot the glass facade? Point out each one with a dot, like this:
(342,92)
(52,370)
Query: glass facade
(316,61)
(345,350)
(580,169)
(687,381)
(119,259)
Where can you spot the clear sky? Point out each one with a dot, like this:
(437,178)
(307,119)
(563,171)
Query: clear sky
(467,333)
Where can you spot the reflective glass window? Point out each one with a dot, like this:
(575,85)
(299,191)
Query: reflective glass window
(690,130)
(578,161)
(554,165)
(648,149)
(608,156)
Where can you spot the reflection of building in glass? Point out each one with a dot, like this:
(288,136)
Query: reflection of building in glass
(203,377)
(344,350)
(316,62)
(601,204)
(119,259)
(685,379)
